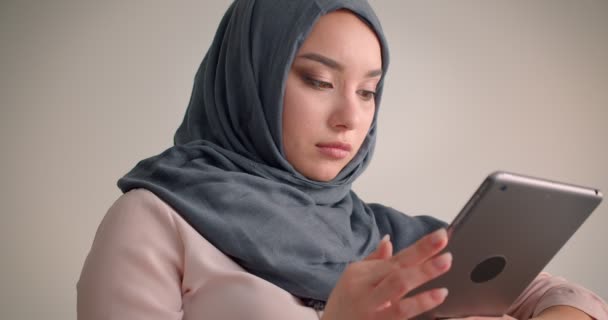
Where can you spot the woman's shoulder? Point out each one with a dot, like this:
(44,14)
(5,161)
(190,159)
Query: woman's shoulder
(141,213)
(138,219)
(137,211)
(140,216)
(135,247)
(139,201)
(144,243)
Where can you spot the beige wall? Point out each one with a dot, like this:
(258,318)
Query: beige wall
(88,88)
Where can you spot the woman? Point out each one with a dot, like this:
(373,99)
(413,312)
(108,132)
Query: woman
(250,215)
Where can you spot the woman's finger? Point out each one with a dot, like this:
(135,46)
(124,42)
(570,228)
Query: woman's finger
(423,249)
(372,272)
(383,251)
(414,306)
(374,267)
(368,274)
(396,285)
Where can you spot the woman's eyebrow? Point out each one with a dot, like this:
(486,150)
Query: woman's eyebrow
(333,64)
(374,73)
(329,62)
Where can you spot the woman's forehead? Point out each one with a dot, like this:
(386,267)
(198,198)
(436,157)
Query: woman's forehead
(340,39)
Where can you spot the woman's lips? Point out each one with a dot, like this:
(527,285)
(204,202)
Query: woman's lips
(335,150)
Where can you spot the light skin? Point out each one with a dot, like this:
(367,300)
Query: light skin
(329,100)
(328,109)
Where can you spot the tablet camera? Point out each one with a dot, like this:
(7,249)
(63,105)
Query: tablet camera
(488,269)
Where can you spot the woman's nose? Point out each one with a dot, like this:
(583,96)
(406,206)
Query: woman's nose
(346,112)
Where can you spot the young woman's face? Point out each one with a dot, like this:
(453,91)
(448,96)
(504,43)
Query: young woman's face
(329,100)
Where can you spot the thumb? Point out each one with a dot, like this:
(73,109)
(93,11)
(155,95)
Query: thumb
(383,251)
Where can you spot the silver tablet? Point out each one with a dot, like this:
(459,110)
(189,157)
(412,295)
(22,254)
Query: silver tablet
(502,239)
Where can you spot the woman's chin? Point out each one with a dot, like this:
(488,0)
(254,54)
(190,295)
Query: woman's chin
(322,174)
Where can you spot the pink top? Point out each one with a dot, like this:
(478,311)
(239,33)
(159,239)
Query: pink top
(146,262)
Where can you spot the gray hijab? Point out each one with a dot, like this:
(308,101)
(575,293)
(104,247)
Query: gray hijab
(227,175)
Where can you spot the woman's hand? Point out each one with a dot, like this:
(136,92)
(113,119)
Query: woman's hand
(374,288)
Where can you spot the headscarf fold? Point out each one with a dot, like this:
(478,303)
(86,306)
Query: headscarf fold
(227,175)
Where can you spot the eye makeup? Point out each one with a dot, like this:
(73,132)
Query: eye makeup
(314,79)
(316,83)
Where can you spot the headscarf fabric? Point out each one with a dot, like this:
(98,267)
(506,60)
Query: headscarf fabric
(227,175)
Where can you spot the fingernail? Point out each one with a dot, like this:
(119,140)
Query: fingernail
(439,294)
(387,238)
(443,261)
(437,237)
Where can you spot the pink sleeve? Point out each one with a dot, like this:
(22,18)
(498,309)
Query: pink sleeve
(547,291)
(133,270)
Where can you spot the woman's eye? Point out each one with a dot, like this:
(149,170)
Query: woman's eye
(318,84)
(367,95)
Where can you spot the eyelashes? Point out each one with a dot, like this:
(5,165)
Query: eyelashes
(366,95)
(317,84)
